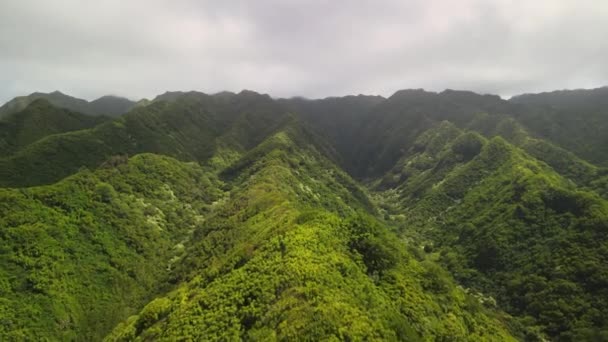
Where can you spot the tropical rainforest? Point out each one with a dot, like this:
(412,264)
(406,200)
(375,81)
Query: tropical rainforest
(423,216)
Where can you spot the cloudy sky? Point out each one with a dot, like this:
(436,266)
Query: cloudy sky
(313,48)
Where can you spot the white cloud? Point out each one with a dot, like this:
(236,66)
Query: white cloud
(313,48)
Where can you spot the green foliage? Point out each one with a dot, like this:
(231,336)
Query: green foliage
(510,226)
(337,119)
(366,239)
(225,217)
(383,130)
(38,120)
(105,192)
(75,251)
(287,258)
(468,145)
(436,279)
(575,120)
(190,129)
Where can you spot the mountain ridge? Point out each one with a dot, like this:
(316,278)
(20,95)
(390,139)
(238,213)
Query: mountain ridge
(109,105)
(422,216)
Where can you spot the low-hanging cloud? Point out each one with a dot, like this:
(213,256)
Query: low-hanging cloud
(312,48)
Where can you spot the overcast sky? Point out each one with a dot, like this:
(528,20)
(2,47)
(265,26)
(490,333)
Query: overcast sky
(312,48)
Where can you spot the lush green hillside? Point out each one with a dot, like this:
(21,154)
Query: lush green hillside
(507,225)
(186,129)
(81,255)
(292,250)
(38,120)
(338,119)
(106,105)
(294,254)
(424,216)
(372,133)
(576,120)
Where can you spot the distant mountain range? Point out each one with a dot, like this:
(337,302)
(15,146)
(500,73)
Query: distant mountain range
(424,216)
(105,105)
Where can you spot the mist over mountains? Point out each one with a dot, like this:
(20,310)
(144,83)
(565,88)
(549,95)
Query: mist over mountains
(430,216)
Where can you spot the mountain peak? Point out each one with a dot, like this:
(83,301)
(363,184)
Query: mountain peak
(109,97)
(106,105)
(411,93)
(251,93)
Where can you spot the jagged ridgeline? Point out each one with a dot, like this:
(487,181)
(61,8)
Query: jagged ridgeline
(106,105)
(424,216)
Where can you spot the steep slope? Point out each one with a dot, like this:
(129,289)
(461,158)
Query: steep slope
(80,255)
(371,133)
(576,120)
(292,250)
(107,105)
(336,118)
(397,122)
(509,226)
(186,129)
(38,120)
(564,162)
(261,236)
(294,254)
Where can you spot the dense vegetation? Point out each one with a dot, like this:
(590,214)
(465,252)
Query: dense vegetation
(190,129)
(234,216)
(292,253)
(509,226)
(79,255)
(575,120)
(38,120)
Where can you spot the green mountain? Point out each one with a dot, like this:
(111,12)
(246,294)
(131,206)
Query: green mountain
(38,120)
(337,119)
(508,225)
(111,105)
(191,129)
(294,253)
(80,255)
(576,120)
(283,232)
(424,216)
(379,130)
(106,105)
